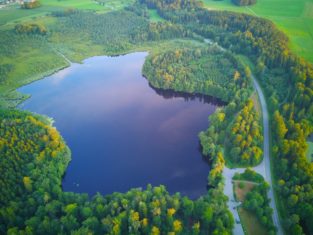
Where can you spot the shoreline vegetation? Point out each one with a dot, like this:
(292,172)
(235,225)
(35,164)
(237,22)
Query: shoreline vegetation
(32,199)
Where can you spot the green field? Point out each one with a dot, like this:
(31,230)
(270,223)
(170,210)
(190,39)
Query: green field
(154,16)
(294,17)
(13,13)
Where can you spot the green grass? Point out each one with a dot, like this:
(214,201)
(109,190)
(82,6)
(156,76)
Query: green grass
(309,152)
(78,4)
(30,64)
(154,16)
(13,14)
(294,17)
(250,223)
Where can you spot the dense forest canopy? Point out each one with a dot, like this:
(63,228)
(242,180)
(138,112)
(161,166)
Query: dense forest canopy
(209,71)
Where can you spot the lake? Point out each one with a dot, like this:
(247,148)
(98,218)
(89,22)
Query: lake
(122,132)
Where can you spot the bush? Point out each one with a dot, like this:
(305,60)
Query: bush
(241,185)
(30,28)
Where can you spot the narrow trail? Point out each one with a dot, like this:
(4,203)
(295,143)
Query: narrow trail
(63,56)
(252,11)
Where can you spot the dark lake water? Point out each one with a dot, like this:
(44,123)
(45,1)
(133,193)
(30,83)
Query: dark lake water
(123,133)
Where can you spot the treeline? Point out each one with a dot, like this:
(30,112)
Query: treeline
(265,45)
(244,137)
(244,2)
(34,158)
(63,13)
(172,4)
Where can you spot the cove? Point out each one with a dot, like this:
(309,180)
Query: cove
(123,134)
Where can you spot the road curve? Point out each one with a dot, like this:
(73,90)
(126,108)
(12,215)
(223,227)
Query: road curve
(266,154)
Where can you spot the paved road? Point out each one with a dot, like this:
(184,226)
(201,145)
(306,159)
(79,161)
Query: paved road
(263,169)
(266,152)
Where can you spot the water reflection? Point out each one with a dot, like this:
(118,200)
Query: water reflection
(169,94)
(122,132)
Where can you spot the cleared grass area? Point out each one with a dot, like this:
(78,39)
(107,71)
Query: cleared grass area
(250,223)
(295,18)
(241,192)
(309,153)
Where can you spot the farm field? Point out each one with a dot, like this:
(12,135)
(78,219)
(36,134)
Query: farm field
(295,18)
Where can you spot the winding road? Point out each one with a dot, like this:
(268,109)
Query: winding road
(264,168)
(266,152)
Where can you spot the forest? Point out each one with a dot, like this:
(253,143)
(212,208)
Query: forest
(244,137)
(32,200)
(208,71)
